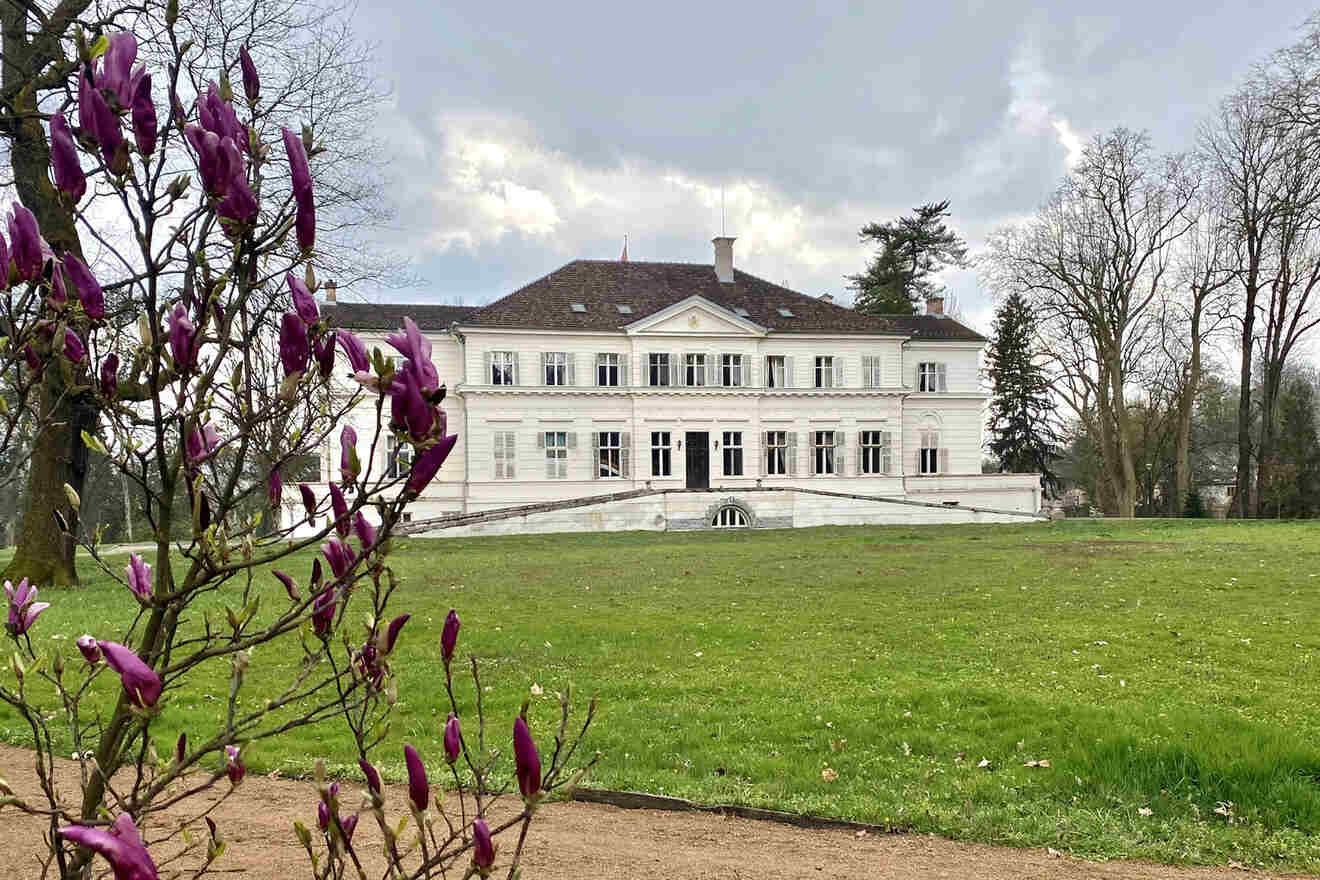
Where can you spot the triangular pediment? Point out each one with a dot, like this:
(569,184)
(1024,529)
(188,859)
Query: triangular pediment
(695,315)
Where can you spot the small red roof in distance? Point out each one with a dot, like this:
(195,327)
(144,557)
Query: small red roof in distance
(601,285)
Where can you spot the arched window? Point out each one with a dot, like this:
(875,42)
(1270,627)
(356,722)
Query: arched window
(729,518)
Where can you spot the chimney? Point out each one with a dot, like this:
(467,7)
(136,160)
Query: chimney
(724,258)
(826,297)
(330,288)
(935,304)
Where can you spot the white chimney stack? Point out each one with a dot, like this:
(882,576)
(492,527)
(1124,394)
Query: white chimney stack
(724,258)
(935,304)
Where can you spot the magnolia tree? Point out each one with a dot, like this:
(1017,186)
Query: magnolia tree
(215,268)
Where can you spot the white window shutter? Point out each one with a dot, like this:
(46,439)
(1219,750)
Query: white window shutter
(765,452)
(918,466)
(788,372)
(572,440)
(887,463)
(625,453)
(595,455)
(867,361)
(712,369)
(571,369)
(623,369)
(839,453)
(753,375)
(540,439)
(517,362)
(674,368)
(837,363)
(490,375)
(857,456)
(510,452)
(942,377)
(792,453)
(499,455)
(596,371)
(545,361)
(944,461)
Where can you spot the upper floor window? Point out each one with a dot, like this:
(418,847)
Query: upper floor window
(662,463)
(874,452)
(932,376)
(778,371)
(733,454)
(780,451)
(931,459)
(556,454)
(872,376)
(659,368)
(731,370)
(827,368)
(503,368)
(694,370)
(825,453)
(557,368)
(608,371)
(506,445)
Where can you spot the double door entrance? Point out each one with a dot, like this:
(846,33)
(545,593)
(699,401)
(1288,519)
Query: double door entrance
(696,446)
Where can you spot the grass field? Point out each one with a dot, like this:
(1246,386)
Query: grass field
(1164,670)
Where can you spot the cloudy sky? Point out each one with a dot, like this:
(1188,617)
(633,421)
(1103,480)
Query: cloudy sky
(525,135)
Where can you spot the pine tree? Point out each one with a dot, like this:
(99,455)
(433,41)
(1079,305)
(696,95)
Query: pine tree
(912,249)
(1194,507)
(1022,411)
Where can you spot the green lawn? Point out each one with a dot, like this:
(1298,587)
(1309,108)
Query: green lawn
(1164,667)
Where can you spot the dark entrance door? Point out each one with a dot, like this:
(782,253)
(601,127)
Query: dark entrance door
(698,459)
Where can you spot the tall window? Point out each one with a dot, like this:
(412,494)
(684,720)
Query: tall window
(931,377)
(872,376)
(556,368)
(731,370)
(505,449)
(503,368)
(694,370)
(398,457)
(776,371)
(776,453)
(874,452)
(733,454)
(556,455)
(661,454)
(824,456)
(658,370)
(824,371)
(607,370)
(611,454)
(928,456)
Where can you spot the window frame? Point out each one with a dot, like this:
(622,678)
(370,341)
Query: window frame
(556,454)
(932,376)
(875,453)
(659,366)
(694,369)
(398,458)
(731,368)
(928,452)
(732,455)
(505,458)
(781,362)
(554,367)
(824,371)
(609,448)
(662,454)
(777,452)
(823,453)
(504,367)
(607,363)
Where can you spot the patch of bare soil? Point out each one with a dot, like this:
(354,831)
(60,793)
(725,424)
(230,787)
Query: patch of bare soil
(575,840)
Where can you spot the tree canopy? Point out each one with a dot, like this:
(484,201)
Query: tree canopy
(912,250)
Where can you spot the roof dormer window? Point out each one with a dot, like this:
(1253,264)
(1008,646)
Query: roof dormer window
(623,309)
(578,307)
(785,313)
(741,312)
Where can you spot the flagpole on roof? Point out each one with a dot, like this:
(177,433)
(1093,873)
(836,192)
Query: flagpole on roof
(623,258)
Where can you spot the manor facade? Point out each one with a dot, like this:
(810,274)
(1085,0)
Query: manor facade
(611,375)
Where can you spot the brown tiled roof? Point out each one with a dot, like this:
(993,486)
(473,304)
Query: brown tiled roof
(603,285)
(371,316)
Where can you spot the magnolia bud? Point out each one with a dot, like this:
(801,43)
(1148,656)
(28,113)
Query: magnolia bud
(72,494)
(179,185)
(304,836)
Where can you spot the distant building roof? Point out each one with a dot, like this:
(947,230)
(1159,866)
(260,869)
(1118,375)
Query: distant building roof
(586,295)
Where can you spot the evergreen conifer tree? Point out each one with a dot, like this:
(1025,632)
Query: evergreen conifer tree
(1022,412)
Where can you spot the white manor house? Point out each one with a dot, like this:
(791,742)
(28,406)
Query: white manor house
(766,407)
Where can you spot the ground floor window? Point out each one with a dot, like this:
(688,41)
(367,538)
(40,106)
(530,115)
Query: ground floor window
(778,455)
(556,455)
(398,457)
(874,452)
(733,454)
(661,454)
(824,454)
(611,453)
(929,457)
(506,445)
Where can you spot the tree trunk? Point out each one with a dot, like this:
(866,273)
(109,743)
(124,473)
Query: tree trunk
(1243,477)
(1182,477)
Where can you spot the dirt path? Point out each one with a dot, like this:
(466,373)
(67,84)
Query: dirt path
(604,843)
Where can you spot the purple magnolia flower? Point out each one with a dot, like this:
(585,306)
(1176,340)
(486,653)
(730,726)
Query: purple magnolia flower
(304,223)
(91,651)
(120,845)
(355,351)
(86,114)
(217,115)
(183,340)
(143,115)
(294,351)
(141,683)
(427,464)
(349,466)
(408,408)
(323,610)
(274,487)
(322,815)
(69,177)
(241,203)
(366,532)
(483,848)
(4,264)
(74,349)
(251,81)
(527,762)
(116,73)
(104,129)
(202,442)
(88,288)
(289,586)
(393,630)
(59,294)
(419,791)
(453,738)
(25,243)
(24,609)
(138,575)
(234,767)
(339,555)
(449,636)
(410,342)
(323,348)
(308,499)
(340,508)
(373,778)
(181,748)
(300,175)
(348,825)
(33,361)
(303,301)
(215,179)
(110,376)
